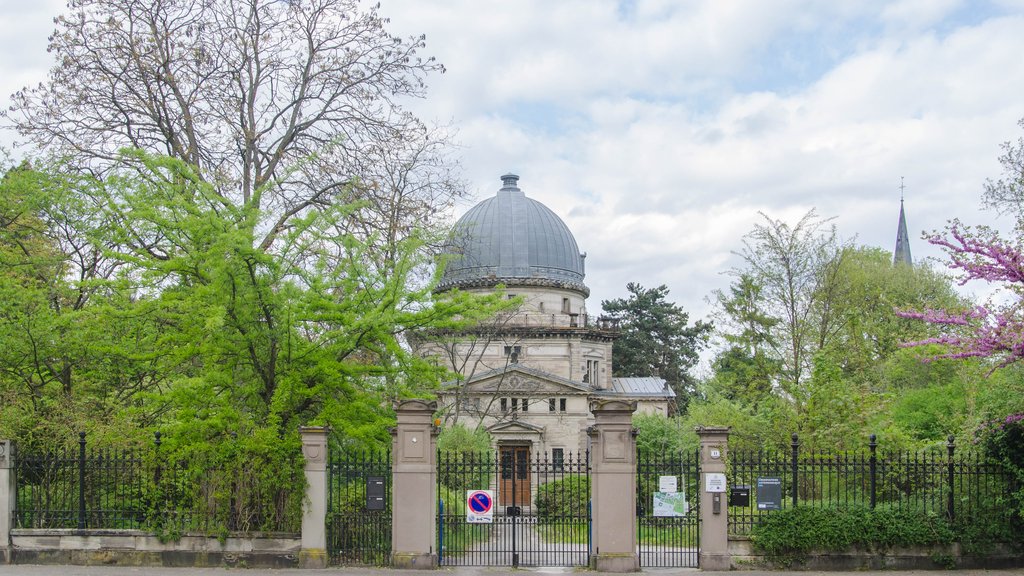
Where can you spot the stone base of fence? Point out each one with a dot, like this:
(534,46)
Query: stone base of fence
(616,563)
(138,548)
(948,556)
(413,561)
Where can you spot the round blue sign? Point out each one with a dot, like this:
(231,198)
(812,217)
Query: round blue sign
(480,502)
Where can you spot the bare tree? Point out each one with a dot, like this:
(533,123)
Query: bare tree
(468,352)
(795,267)
(283,106)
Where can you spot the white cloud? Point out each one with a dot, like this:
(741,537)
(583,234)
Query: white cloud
(659,129)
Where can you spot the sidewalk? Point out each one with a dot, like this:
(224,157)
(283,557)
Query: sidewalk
(55,570)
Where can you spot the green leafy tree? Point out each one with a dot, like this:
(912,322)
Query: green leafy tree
(659,436)
(867,332)
(746,370)
(312,332)
(793,268)
(656,339)
(53,278)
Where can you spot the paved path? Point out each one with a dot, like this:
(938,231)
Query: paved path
(533,550)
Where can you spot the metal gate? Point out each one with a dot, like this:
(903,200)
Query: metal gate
(538,507)
(359,509)
(667,502)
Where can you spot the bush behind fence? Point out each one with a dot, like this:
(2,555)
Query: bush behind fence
(147,488)
(959,486)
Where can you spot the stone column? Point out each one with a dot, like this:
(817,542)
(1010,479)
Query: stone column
(314,510)
(7,498)
(613,487)
(414,486)
(714,504)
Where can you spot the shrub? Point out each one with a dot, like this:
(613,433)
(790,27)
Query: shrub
(1003,441)
(787,536)
(565,498)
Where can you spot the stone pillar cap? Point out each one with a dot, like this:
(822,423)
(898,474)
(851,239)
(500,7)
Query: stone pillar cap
(415,404)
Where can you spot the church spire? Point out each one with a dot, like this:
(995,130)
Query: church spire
(901,255)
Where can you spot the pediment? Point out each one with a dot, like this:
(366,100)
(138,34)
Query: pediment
(523,382)
(515,427)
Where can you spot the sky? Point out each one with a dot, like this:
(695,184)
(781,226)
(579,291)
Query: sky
(660,129)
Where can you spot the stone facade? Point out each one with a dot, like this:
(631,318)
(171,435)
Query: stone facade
(530,375)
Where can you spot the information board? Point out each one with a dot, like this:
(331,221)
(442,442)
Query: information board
(769,493)
(714,482)
(670,504)
(667,484)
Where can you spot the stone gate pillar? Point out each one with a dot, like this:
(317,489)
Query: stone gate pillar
(313,553)
(7,488)
(613,487)
(714,501)
(414,486)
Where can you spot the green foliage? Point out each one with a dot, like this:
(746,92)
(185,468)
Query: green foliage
(1003,441)
(564,498)
(931,414)
(656,340)
(768,425)
(788,535)
(182,316)
(459,438)
(658,435)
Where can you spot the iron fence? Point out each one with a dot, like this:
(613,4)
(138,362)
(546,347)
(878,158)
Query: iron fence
(359,509)
(534,508)
(141,488)
(668,506)
(956,485)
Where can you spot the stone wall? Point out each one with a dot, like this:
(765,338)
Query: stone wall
(743,557)
(138,548)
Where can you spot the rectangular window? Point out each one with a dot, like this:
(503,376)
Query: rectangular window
(592,375)
(561,404)
(558,458)
(551,404)
(512,352)
(515,404)
(565,305)
(504,404)
(525,404)
(506,464)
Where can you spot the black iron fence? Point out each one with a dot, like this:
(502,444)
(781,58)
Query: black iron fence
(514,508)
(101,488)
(668,505)
(945,481)
(359,509)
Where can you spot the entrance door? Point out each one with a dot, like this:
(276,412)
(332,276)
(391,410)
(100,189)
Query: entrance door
(515,476)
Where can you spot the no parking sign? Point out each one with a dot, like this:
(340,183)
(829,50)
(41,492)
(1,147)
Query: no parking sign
(479,506)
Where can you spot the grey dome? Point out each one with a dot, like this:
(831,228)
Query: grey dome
(513,240)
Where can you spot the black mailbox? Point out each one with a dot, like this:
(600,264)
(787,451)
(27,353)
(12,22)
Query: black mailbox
(739,495)
(375,493)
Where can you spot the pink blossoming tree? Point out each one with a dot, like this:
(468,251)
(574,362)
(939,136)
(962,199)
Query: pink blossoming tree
(994,332)
(979,254)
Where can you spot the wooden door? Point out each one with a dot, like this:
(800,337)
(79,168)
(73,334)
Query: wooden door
(515,469)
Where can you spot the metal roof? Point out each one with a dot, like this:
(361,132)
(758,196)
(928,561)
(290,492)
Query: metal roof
(645,386)
(511,237)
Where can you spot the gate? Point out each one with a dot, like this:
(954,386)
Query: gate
(667,502)
(359,509)
(539,508)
